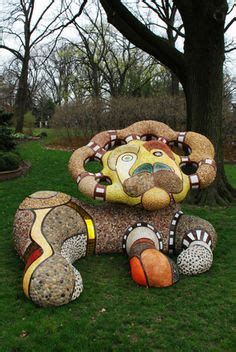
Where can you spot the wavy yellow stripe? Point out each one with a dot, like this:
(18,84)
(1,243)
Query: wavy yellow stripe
(37,236)
(89,225)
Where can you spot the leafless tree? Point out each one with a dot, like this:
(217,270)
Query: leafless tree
(109,61)
(28,29)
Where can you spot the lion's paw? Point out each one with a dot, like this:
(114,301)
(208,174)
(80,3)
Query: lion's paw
(196,259)
(153,269)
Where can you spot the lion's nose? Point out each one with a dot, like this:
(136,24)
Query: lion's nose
(150,168)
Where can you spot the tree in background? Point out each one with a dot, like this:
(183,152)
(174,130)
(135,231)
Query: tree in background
(199,69)
(167,19)
(22,14)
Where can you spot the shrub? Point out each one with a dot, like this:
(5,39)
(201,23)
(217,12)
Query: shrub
(6,142)
(86,118)
(3,165)
(40,134)
(9,161)
(43,135)
(19,135)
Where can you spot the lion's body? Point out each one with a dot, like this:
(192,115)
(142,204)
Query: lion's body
(143,181)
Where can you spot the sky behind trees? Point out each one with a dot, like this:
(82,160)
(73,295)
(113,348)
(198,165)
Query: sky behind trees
(70,32)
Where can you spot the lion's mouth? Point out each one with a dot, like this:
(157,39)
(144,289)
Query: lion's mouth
(147,176)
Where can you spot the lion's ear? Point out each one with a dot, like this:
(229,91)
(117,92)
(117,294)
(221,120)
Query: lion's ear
(201,157)
(88,183)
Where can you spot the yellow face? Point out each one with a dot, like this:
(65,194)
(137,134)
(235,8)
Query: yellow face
(146,173)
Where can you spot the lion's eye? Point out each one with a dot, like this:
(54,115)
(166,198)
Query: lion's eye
(127,157)
(158,153)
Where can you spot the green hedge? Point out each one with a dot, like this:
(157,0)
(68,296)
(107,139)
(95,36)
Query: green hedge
(9,161)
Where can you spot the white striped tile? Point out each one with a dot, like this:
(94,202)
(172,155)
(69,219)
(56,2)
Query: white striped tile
(190,235)
(100,190)
(185,243)
(199,234)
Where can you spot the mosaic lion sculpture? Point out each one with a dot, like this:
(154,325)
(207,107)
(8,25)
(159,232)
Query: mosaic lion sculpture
(143,179)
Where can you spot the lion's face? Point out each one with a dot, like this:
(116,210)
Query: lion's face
(146,173)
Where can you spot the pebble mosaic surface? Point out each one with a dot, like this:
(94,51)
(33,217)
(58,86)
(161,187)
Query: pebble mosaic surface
(22,227)
(196,259)
(52,282)
(112,221)
(50,239)
(60,224)
(52,229)
(74,248)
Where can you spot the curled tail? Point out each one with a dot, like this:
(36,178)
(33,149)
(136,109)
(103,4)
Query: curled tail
(50,232)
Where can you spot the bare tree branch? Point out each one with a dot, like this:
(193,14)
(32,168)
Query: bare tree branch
(141,36)
(230,24)
(13,51)
(229,50)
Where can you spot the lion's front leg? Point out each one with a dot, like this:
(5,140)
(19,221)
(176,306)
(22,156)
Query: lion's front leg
(195,240)
(149,266)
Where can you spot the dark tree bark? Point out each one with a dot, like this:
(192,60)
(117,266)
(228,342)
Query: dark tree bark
(199,69)
(174,89)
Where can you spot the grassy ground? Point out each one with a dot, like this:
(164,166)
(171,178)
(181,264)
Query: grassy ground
(113,314)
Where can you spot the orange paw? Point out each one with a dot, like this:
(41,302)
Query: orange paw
(153,269)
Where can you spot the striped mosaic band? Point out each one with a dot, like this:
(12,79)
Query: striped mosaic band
(90,226)
(148,137)
(83,175)
(132,137)
(91,243)
(184,160)
(162,139)
(172,232)
(113,139)
(142,224)
(181,138)
(98,175)
(98,150)
(196,235)
(100,192)
(208,162)
(194,181)
(180,145)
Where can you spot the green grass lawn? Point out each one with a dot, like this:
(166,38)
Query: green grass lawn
(113,313)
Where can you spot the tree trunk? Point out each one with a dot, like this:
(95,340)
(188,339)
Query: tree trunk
(199,69)
(204,53)
(21,102)
(174,85)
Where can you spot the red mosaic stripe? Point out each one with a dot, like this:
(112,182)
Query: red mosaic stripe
(33,256)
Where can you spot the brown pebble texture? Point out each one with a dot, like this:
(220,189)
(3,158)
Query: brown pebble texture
(60,224)
(21,230)
(52,283)
(187,223)
(112,220)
